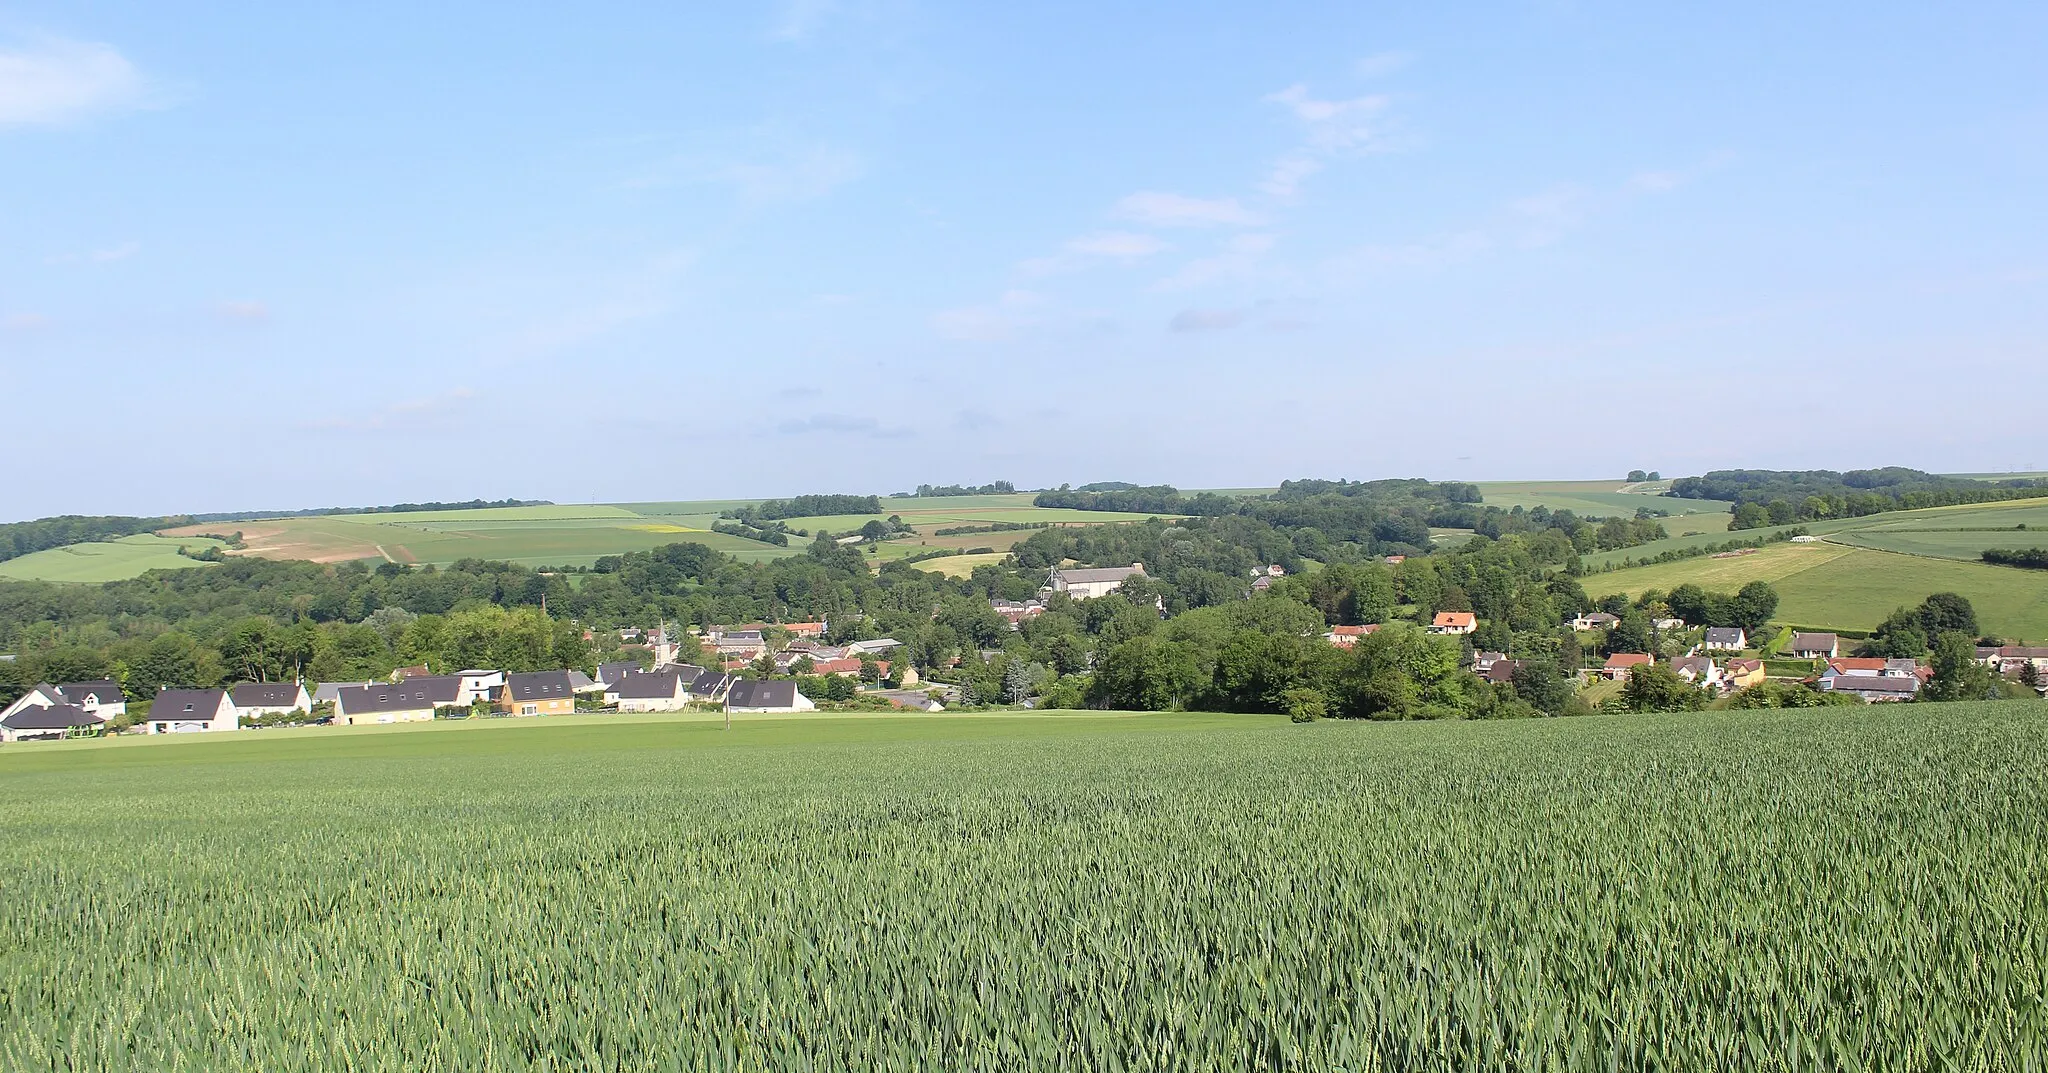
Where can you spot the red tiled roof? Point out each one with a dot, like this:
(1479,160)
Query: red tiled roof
(1455,618)
(1856,663)
(1628,659)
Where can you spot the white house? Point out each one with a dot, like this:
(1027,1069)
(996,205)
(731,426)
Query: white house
(1455,622)
(49,722)
(102,699)
(1725,639)
(1699,670)
(476,685)
(1814,646)
(255,699)
(190,711)
(754,695)
(664,690)
(1088,582)
(1598,620)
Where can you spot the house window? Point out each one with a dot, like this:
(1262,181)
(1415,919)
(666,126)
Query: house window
(529,709)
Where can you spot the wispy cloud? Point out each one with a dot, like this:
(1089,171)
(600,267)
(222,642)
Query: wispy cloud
(1157,209)
(1238,259)
(1331,128)
(1205,320)
(243,310)
(1125,246)
(764,166)
(107,256)
(1381,64)
(405,413)
(861,425)
(53,82)
(995,322)
(799,19)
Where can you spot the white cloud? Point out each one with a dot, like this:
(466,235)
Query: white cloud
(1380,64)
(244,310)
(55,82)
(1159,209)
(1285,177)
(1331,128)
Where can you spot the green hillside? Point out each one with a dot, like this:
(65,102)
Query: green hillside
(111,560)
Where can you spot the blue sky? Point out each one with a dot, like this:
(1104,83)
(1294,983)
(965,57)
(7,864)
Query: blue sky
(272,255)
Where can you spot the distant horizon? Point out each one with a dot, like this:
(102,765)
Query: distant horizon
(1022,489)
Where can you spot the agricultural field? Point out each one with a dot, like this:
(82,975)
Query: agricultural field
(531,536)
(110,560)
(1606,499)
(1861,888)
(1836,586)
(1963,532)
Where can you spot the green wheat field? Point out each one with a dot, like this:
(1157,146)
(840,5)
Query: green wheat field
(1838,889)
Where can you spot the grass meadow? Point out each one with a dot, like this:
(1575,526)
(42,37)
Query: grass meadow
(110,560)
(1836,586)
(1857,888)
(1605,499)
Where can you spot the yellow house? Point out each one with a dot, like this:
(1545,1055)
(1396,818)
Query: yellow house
(1742,673)
(537,693)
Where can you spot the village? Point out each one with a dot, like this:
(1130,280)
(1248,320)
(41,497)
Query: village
(758,664)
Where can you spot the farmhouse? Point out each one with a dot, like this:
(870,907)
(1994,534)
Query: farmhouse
(410,701)
(1743,673)
(1346,636)
(1484,661)
(190,711)
(1619,664)
(1814,646)
(52,721)
(1454,622)
(2007,660)
(1088,582)
(1502,671)
(255,699)
(650,691)
(102,698)
(813,630)
(754,695)
(1875,688)
(1598,620)
(1854,665)
(537,693)
(1725,639)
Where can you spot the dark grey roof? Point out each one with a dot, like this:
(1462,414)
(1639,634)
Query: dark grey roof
(1811,642)
(648,685)
(1722,634)
(328,691)
(755,693)
(411,695)
(185,704)
(265,694)
(609,673)
(688,672)
(108,692)
(540,685)
(710,684)
(55,717)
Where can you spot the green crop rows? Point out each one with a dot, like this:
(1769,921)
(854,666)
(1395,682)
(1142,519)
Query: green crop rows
(1809,890)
